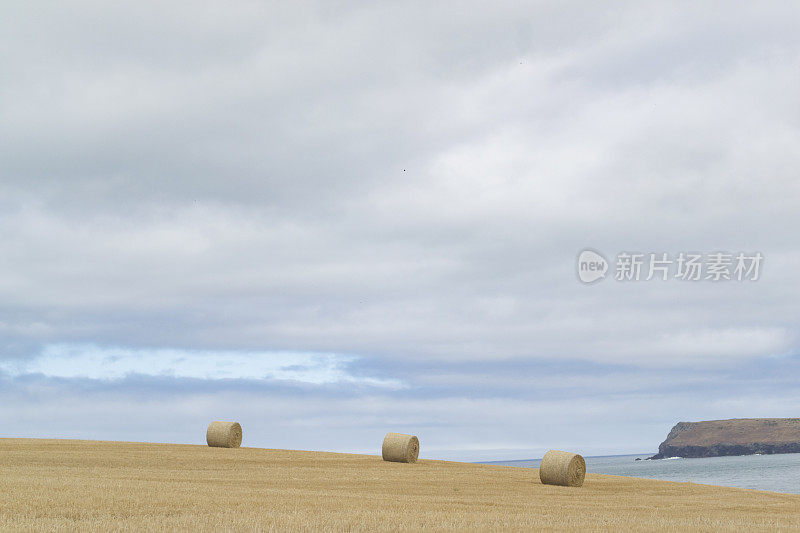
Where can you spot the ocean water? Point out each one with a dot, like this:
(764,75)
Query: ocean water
(778,472)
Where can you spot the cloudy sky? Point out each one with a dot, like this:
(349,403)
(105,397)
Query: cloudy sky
(330,220)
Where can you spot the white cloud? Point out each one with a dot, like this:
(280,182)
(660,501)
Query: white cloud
(726,343)
(92,362)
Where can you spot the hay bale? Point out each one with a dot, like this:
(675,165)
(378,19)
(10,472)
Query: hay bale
(400,448)
(562,468)
(224,435)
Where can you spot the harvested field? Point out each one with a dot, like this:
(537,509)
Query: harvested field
(88,485)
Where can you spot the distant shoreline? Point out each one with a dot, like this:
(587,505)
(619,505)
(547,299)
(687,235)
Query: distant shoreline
(585,457)
(731,437)
(774,472)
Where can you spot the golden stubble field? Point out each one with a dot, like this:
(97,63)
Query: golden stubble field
(107,486)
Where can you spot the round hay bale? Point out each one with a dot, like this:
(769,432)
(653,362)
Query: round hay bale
(400,448)
(224,434)
(562,468)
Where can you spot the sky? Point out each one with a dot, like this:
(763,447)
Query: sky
(332,220)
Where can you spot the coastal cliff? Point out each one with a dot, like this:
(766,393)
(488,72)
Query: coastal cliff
(738,436)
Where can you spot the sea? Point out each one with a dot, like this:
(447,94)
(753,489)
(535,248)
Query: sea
(777,473)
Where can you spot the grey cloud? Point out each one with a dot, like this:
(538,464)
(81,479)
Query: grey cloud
(402,184)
